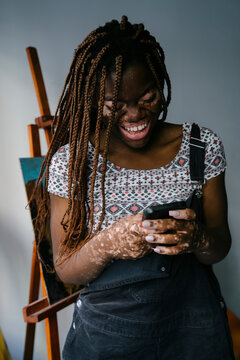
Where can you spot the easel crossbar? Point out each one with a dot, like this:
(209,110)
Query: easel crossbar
(41,309)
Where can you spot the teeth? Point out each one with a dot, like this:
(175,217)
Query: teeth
(136,128)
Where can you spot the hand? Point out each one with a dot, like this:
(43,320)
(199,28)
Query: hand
(125,239)
(177,235)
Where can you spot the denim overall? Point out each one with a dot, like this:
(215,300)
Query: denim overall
(157,307)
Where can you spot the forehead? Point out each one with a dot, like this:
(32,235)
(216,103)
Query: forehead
(135,79)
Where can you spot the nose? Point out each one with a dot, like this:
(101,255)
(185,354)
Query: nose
(133,113)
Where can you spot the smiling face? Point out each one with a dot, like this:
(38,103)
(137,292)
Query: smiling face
(138,105)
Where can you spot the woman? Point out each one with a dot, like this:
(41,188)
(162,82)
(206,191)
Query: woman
(150,292)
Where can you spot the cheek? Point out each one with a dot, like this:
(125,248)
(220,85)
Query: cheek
(106,111)
(154,107)
(107,114)
(156,104)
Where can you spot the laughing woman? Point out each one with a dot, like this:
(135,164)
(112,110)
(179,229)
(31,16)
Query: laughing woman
(150,291)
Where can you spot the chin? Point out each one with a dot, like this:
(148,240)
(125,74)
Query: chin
(136,144)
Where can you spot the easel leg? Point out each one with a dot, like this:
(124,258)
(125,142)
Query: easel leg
(33,295)
(29,342)
(51,326)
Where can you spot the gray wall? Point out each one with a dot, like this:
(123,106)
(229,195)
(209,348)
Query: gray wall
(201,41)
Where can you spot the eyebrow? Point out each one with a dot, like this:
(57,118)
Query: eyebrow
(109,98)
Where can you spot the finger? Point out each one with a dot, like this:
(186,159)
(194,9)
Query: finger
(167,239)
(158,224)
(186,214)
(174,250)
(163,225)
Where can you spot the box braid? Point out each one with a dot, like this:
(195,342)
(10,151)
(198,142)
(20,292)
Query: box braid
(109,48)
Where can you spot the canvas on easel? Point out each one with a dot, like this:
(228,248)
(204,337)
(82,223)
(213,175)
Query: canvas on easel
(56,289)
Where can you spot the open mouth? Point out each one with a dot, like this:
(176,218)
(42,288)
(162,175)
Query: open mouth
(136,132)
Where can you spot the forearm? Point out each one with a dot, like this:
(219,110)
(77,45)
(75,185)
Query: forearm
(87,263)
(215,244)
(124,239)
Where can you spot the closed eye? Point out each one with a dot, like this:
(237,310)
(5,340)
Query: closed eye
(119,107)
(149,97)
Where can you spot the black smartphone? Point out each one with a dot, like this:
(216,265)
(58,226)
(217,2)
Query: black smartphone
(161,211)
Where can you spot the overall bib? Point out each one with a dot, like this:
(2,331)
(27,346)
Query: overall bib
(157,307)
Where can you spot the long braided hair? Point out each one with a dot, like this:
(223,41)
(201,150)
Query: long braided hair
(109,48)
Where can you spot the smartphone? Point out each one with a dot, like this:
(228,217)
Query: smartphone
(161,211)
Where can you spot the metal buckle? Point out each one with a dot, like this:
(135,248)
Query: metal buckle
(197,143)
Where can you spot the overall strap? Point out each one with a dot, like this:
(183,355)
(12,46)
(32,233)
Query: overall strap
(197,155)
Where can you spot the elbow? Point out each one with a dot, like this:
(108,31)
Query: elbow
(62,273)
(225,241)
(228,245)
(65,275)
(219,247)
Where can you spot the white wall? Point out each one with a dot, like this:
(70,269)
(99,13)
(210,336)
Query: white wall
(201,41)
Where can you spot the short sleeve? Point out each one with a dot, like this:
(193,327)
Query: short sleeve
(58,173)
(215,160)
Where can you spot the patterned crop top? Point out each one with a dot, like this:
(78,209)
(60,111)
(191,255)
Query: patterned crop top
(130,191)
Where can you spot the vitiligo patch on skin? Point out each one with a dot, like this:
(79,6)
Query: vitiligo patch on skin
(174,237)
(125,239)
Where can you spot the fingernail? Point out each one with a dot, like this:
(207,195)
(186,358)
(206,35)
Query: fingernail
(149,238)
(146,223)
(157,250)
(174,213)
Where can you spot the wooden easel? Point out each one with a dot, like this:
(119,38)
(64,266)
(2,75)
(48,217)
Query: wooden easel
(40,309)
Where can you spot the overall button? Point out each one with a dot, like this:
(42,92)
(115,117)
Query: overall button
(222,304)
(163,268)
(79,303)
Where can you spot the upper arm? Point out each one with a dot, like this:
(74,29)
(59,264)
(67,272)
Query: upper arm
(215,203)
(58,191)
(214,192)
(58,206)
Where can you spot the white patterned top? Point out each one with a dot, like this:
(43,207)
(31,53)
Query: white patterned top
(130,191)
